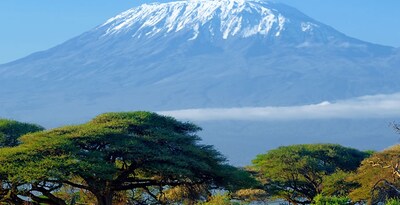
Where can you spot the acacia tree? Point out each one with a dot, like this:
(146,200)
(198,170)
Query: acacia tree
(115,152)
(10,131)
(379,177)
(296,173)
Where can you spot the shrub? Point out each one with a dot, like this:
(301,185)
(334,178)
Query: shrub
(331,200)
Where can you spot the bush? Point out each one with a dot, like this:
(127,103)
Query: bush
(220,199)
(393,202)
(331,200)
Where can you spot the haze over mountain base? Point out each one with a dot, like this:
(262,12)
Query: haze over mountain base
(241,141)
(242,133)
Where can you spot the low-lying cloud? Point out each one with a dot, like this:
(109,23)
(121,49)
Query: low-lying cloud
(376,106)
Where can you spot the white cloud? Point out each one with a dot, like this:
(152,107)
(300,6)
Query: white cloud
(376,106)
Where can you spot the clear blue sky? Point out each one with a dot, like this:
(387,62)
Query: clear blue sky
(27,26)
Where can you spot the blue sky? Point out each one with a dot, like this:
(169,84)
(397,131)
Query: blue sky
(29,26)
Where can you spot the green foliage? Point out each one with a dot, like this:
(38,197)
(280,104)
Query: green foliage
(332,200)
(296,173)
(115,152)
(11,130)
(393,202)
(219,199)
(338,184)
(234,179)
(378,176)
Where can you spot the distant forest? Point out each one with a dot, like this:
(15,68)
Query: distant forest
(146,158)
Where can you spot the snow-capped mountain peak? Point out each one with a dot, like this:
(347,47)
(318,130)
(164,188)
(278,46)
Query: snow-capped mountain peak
(220,18)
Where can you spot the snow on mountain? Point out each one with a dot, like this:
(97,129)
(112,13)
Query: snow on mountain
(221,19)
(235,18)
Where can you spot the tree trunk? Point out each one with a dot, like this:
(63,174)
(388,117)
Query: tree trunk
(104,198)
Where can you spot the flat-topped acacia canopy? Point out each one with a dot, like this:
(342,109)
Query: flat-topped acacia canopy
(116,152)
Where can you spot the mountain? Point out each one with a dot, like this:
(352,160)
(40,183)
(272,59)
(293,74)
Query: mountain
(192,53)
(195,54)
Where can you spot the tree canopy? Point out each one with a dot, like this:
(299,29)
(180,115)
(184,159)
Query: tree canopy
(379,177)
(146,158)
(296,173)
(11,130)
(140,152)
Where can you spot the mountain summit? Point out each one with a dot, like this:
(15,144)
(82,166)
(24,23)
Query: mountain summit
(215,19)
(196,54)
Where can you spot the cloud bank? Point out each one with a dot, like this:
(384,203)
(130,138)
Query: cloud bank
(375,106)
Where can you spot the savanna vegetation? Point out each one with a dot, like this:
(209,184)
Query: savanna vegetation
(299,173)
(146,158)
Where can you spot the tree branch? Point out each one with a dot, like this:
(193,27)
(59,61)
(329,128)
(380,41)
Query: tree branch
(80,186)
